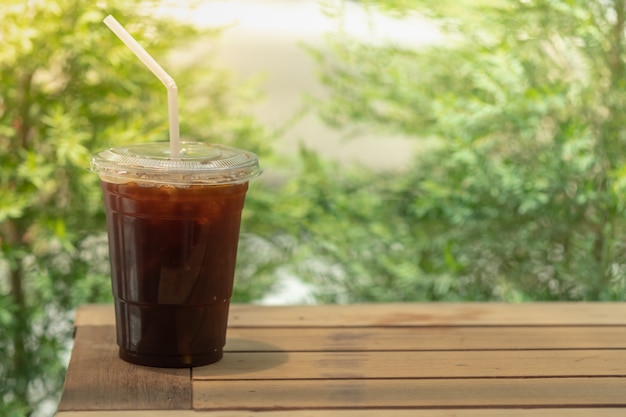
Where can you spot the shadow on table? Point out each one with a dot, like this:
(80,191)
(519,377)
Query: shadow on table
(244,356)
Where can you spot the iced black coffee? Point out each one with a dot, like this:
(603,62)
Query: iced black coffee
(173,228)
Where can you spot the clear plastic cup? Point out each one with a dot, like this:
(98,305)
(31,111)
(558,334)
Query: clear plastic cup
(173,227)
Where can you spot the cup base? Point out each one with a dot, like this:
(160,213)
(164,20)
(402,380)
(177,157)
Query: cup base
(187,361)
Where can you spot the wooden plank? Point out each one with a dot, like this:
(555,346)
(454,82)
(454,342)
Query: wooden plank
(482,412)
(455,364)
(430,314)
(424,338)
(135,413)
(98,380)
(415,393)
(95,315)
(402,314)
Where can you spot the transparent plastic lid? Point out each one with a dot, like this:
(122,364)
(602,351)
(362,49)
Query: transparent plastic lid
(199,163)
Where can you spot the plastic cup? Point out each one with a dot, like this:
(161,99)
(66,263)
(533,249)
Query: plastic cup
(173,228)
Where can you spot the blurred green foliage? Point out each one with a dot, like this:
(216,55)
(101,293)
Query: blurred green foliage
(523,196)
(68,87)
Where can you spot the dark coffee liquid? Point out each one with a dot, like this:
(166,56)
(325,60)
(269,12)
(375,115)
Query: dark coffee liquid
(173,253)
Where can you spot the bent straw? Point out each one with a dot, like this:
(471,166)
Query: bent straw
(166,79)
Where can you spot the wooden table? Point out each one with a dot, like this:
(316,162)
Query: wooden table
(395,360)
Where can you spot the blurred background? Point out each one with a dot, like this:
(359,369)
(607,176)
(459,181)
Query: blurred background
(414,150)
(268,40)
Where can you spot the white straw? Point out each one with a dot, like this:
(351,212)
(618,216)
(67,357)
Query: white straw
(170,84)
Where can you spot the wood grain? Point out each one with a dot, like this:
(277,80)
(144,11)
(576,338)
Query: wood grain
(419,393)
(369,360)
(424,338)
(402,365)
(126,413)
(403,314)
(430,314)
(95,315)
(531,412)
(97,379)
